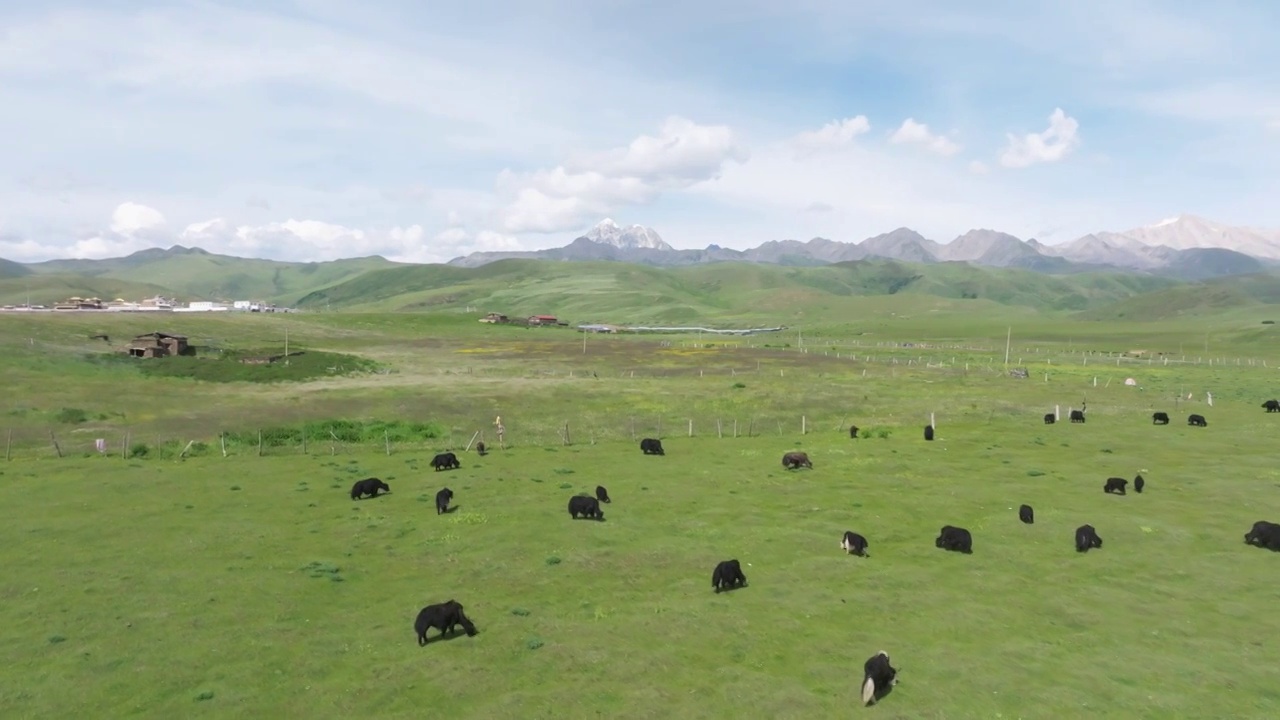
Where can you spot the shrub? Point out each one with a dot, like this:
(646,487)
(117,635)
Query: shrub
(71,416)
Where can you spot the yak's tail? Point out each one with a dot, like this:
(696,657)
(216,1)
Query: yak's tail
(868,691)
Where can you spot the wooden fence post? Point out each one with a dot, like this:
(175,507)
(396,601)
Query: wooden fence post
(386,440)
(124,449)
(259,443)
(8,444)
(690,427)
(304,439)
(719,434)
(804,425)
(222,440)
(55,443)
(735,427)
(566,433)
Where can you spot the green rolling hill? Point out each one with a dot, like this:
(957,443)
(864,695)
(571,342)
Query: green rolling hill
(194,274)
(49,289)
(611,291)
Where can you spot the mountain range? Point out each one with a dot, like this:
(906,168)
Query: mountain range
(1184,247)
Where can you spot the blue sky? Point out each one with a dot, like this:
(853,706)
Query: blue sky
(319,129)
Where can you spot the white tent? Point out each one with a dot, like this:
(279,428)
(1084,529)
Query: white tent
(1130,381)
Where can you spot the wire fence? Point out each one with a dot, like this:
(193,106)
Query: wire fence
(27,443)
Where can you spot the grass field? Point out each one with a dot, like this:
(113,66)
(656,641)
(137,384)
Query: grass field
(252,586)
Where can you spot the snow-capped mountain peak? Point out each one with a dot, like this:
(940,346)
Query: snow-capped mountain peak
(1188,232)
(608,232)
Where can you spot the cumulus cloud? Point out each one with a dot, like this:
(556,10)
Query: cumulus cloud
(129,218)
(566,197)
(835,134)
(918,133)
(1052,145)
(977,167)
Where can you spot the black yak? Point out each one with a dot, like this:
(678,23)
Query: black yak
(728,575)
(955,539)
(877,677)
(443,617)
(1139,482)
(1050,418)
(445,461)
(1077,416)
(1272,405)
(587,507)
(928,432)
(1026,514)
(368,486)
(650,446)
(1087,537)
(1197,420)
(602,495)
(442,501)
(1159,418)
(853,432)
(1264,534)
(793,460)
(853,543)
(1115,485)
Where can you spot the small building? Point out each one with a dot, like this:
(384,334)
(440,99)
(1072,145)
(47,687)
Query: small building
(158,344)
(542,319)
(494,318)
(597,328)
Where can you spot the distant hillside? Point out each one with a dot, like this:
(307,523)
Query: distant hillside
(47,289)
(612,291)
(192,274)
(10,269)
(1190,300)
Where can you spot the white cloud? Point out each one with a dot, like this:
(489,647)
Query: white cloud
(586,187)
(977,167)
(1052,145)
(918,133)
(833,135)
(130,217)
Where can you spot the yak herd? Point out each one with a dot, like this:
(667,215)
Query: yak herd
(878,675)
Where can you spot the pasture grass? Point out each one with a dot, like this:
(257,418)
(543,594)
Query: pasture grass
(170,589)
(164,585)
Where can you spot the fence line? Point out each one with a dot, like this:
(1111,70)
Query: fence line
(127,444)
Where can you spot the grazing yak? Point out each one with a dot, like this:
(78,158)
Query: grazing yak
(1026,514)
(1159,418)
(1272,405)
(1050,418)
(955,539)
(602,495)
(928,432)
(1139,482)
(793,460)
(442,501)
(853,432)
(1264,534)
(445,461)
(368,486)
(854,544)
(727,576)
(877,677)
(1197,420)
(650,446)
(1077,416)
(587,507)
(480,448)
(1087,537)
(1115,485)
(443,617)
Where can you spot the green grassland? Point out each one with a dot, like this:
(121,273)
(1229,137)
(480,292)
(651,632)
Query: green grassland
(248,584)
